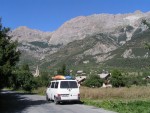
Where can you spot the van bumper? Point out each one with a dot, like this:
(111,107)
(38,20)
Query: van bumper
(68,100)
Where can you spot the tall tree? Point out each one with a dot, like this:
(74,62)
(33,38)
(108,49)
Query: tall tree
(8,56)
(62,71)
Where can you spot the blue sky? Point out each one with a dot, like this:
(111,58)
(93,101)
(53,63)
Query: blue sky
(49,15)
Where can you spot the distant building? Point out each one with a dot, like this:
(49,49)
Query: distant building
(105,76)
(80,79)
(79,71)
(37,72)
(86,62)
(147,78)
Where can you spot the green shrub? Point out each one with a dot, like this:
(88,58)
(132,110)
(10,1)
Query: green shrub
(93,81)
(43,80)
(137,80)
(23,79)
(117,79)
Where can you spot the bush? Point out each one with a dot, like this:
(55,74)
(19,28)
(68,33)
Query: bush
(117,79)
(93,81)
(43,79)
(139,80)
(23,79)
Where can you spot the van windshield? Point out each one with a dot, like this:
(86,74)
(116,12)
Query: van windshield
(68,84)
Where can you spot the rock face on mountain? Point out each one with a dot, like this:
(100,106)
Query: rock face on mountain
(24,34)
(80,27)
(32,42)
(96,37)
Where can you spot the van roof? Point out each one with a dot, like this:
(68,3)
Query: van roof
(63,80)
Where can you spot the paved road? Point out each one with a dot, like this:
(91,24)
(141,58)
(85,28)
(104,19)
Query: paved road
(12,102)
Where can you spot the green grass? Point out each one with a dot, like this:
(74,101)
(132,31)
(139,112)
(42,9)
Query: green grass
(40,91)
(120,106)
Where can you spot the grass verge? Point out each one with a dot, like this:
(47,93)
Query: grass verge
(120,106)
(40,91)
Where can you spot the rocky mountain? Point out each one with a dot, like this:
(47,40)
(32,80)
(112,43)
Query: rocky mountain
(80,27)
(24,34)
(95,38)
(32,42)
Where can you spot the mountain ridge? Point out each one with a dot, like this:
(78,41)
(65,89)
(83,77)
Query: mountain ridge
(80,27)
(94,38)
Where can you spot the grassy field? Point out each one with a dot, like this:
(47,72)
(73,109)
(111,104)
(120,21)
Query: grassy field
(132,93)
(121,100)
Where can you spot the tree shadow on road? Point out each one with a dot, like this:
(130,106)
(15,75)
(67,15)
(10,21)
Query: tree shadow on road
(15,102)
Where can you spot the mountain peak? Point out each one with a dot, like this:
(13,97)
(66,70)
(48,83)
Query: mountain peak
(22,28)
(27,29)
(25,34)
(138,12)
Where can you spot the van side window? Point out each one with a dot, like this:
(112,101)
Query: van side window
(52,84)
(56,84)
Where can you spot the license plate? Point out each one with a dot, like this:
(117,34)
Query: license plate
(64,95)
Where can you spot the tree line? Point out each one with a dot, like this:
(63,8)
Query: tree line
(12,75)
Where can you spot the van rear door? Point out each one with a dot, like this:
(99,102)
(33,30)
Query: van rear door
(69,90)
(74,90)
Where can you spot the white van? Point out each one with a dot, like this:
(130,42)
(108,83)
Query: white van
(63,90)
